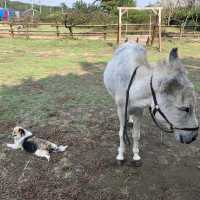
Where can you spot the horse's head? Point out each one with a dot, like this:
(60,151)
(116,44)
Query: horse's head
(176,98)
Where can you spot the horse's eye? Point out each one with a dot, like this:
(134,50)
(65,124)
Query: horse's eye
(185,109)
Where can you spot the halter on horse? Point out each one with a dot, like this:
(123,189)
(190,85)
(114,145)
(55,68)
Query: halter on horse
(152,111)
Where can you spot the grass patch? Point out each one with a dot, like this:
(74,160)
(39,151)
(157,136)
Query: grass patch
(41,79)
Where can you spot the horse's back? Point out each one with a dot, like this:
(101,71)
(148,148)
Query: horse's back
(119,70)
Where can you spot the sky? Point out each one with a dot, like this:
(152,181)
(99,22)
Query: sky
(70,2)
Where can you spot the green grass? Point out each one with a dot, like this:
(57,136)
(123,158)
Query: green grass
(186,49)
(38,78)
(41,80)
(38,59)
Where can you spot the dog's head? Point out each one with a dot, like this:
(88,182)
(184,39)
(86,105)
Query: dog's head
(19,132)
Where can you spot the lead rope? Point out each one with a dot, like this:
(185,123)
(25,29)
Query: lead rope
(125,134)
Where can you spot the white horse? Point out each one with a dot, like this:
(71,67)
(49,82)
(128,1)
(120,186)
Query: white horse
(163,87)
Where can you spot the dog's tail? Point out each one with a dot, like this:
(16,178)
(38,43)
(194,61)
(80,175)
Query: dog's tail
(61,148)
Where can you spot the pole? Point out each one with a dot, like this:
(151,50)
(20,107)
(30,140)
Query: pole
(150,26)
(40,7)
(5,4)
(160,32)
(119,26)
(11,30)
(33,8)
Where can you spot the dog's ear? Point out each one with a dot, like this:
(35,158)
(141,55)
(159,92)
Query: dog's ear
(22,132)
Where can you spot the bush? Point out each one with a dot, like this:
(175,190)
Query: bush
(138,17)
(191,13)
(53,17)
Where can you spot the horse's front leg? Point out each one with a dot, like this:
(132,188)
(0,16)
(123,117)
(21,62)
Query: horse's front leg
(121,148)
(136,138)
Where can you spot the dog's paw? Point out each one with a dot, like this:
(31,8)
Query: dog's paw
(62,148)
(9,145)
(12,146)
(47,157)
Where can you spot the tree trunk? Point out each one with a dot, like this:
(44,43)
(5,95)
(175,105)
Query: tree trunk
(168,20)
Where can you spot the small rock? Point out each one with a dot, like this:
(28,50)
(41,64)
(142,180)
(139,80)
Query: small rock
(3,173)
(63,168)
(198,166)
(2,156)
(68,175)
(163,160)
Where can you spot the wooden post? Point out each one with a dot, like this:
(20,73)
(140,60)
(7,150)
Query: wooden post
(57,30)
(154,30)
(11,30)
(27,31)
(148,41)
(71,31)
(105,33)
(159,30)
(181,32)
(149,26)
(119,26)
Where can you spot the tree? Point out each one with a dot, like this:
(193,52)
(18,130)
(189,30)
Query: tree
(111,5)
(80,5)
(170,8)
(63,5)
(181,11)
(82,13)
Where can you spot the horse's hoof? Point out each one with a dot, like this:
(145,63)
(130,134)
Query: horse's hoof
(137,163)
(120,162)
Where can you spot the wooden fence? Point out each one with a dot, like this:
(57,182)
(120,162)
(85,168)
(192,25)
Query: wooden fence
(50,30)
(106,32)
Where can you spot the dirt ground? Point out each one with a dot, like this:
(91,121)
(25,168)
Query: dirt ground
(88,170)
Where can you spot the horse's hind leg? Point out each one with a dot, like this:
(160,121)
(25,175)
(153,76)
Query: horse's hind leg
(121,148)
(136,137)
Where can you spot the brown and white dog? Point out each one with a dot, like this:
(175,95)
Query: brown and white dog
(24,139)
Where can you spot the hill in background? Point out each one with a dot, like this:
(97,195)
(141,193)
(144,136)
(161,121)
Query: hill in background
(16,5)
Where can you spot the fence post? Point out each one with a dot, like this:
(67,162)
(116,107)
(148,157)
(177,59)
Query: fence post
(11,30)
(27,31)
(57,30)
(119,34)
(150,27)
(181,32)
(105,32)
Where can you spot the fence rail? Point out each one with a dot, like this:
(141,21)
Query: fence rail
(106,31)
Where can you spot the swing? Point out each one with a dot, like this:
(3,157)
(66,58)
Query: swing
(139,38)
(146,36)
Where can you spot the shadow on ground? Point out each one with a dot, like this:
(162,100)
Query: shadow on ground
(76,110)
(191,61)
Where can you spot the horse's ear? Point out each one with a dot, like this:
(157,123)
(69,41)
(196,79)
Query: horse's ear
(170,85)
(173,55)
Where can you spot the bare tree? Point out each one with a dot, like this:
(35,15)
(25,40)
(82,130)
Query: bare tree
(170,7)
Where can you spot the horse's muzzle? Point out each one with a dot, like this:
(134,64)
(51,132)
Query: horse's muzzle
(186,137)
